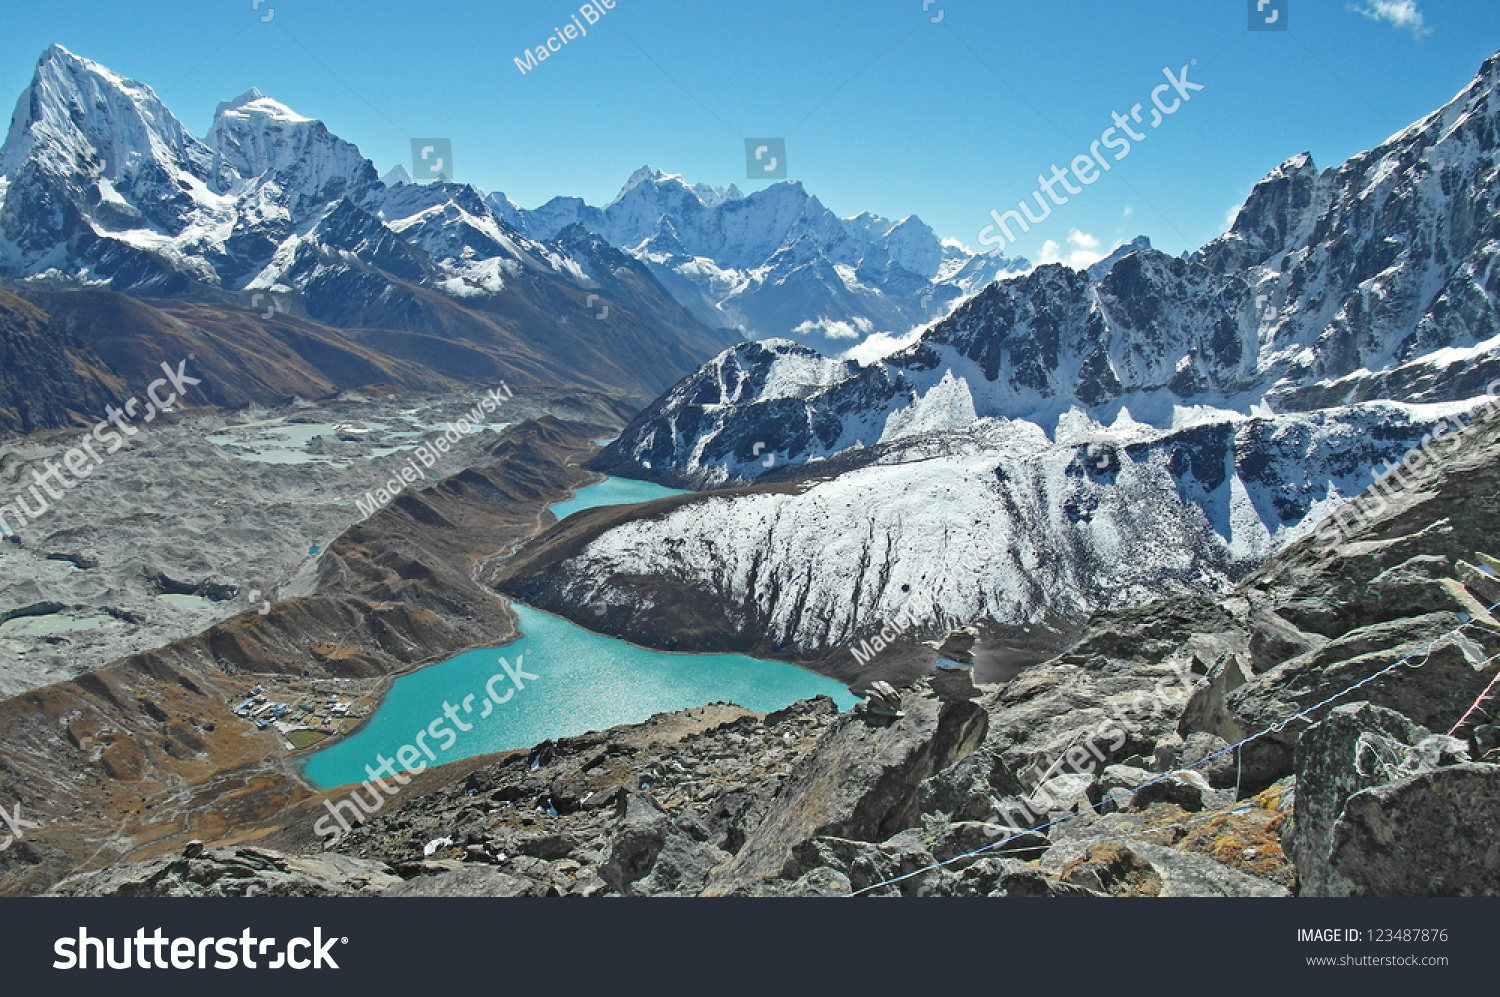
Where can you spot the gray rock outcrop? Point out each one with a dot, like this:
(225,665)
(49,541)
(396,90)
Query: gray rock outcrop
(1429,834)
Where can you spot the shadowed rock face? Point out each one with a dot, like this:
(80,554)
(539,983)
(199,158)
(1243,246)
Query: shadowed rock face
(1385,808)
(95,347)
(47,379)
(239,357)
(860,783)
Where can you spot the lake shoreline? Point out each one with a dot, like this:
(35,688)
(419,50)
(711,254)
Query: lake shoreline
(764,683)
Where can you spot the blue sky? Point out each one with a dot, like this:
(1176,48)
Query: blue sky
(882,109)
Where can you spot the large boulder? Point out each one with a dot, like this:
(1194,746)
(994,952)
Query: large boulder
(1207,710)
(1096,706)
(1350,750)
(1186,789)
(970,789)
(954,684)
(649,853)
(1429,834)
(1440,678)
(862,781)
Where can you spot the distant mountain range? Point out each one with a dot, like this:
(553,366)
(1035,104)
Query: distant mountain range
(102,187)
(776,263)
(271,214)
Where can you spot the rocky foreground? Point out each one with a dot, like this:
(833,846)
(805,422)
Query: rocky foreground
(1115,752)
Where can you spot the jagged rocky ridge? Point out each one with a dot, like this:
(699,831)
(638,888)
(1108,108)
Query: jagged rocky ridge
(1363,796)
(1131,432)
(1372,280)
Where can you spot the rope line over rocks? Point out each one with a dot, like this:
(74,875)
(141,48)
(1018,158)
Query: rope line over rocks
(1452,636)
(1489,690)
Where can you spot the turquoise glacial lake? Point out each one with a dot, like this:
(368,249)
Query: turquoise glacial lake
(612,491)
(583,682)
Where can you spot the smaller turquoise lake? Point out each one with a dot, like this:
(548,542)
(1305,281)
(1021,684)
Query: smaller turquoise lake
(584,682)
(612,491)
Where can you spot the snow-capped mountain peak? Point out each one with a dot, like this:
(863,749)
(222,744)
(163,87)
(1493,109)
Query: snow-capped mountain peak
(776,262)
(708,195)
(76,110)
(90,151)
(1104,266)
(103,186)
(254,103)
(396,176)
(254,135)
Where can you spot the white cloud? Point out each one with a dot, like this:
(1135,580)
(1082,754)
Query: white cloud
(1396,13)
(1231,215)
(880,346)
(1083,240)
(1129,210)
(835,328)
(1084,252)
